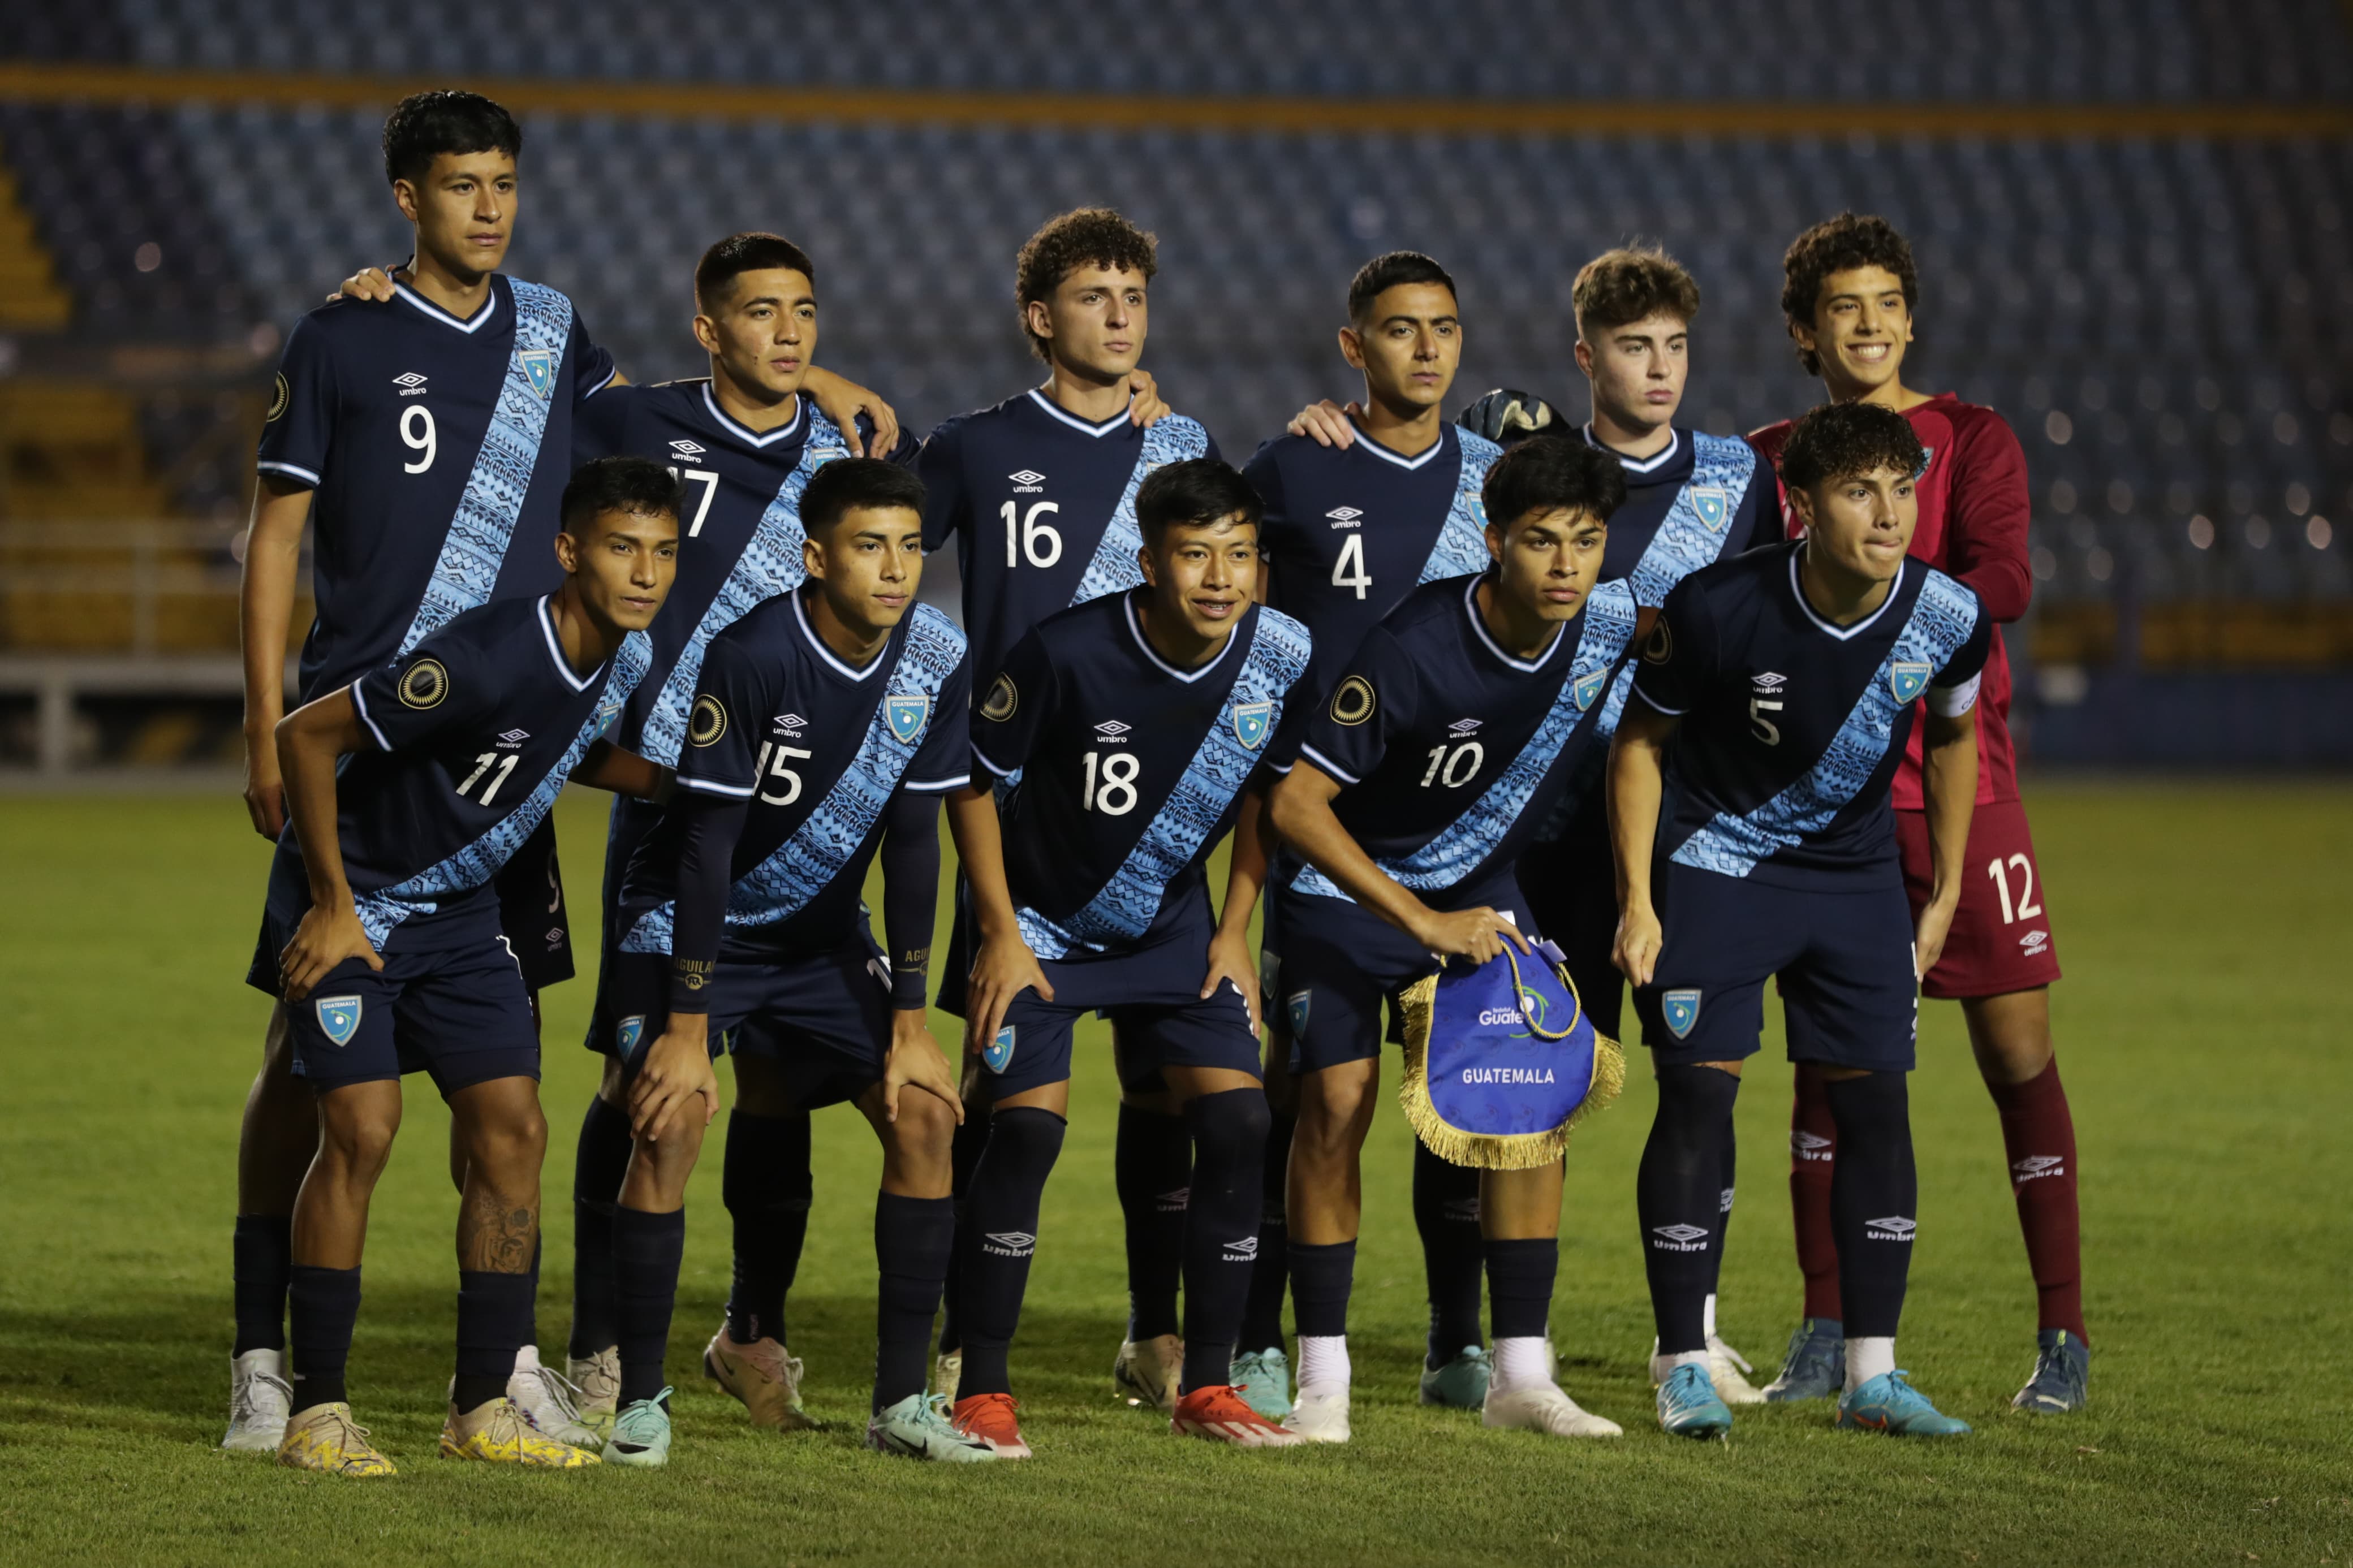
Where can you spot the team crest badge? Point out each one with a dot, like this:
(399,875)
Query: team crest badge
(1909,678)
(1252,720)
(606,711)
(1682,1011)
(906,715)
(1928,456)
(628,1033)
(539,368)
(1588,688)
(339,1017)
(1297,1008)
(1712,504)
(999,1051)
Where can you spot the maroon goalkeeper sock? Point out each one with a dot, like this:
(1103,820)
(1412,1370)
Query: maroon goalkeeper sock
(2039,1132)
(1813,1143)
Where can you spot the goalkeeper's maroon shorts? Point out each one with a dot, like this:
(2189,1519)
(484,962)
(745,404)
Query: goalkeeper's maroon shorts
(2001,940)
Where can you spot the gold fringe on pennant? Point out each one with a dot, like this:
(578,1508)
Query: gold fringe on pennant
(1492,1150)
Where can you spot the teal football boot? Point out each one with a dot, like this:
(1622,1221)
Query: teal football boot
(1461,1383)
(1890,1405)
(2063,1371)
(1263,1380)
(1815,1367)
(640,1435)
(1688,1406)
(917,1428)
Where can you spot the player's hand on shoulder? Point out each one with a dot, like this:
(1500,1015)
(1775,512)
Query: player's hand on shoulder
(325,938)
(1476,934)
(1230,965)
(677,1069)
(1002,970)
(1327,422)
(1145,406)
(842,400)
(368,283)
(915,1062)
(1639,937)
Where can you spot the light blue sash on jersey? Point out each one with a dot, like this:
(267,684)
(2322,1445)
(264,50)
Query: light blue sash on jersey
(805,864)
(476,545)
(1465,844)
(480,861)
(1123,910)
(1113,567)
(1461,548)
(771,564)
(1942,618)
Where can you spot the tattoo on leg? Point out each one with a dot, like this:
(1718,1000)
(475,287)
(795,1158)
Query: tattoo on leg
(494,1237)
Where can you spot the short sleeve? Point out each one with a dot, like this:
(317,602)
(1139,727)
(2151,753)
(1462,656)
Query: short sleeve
(1276,538)
(1210,446)
(1347,733)
(445,682)
(942,759)
(1678,660)
(722,728)
(598,428)
(300,428)
(940,465)
(1012,713)
(1299,710)
(1953,691)
(1759,522)
(592,367)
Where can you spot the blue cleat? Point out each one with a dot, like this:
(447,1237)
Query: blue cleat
(2062,1370)
(1888,1403)
(1263,1380)
(1815,1367)
(640,1435)
(1688,1406)
(1461,1383)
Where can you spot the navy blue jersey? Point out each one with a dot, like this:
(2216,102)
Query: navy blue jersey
(1130,768)
(1450,751)
(437,449)
(1703,499)
(816,748)
(1041,505)
(476,729)
(1792,727)
(739,534)
(1351,530)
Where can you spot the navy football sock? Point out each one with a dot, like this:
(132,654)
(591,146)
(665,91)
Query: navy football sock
(646,1252)
(599,1166)
(1228,1134)
(1271,1274)
(1023,1144)
(766,1186)
(1446,1212)
(493,1324)
(912,1240)
(263,1257)
(1680,1199)
(1520,1276)
(1320,1278)
(963,1155)
(323,1306)
(1727,1158)
(1152,1164)
(1874,1199)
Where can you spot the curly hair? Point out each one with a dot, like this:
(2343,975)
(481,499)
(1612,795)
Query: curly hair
(1087,237)
(1632,283)
(1840,245)
(1846,440)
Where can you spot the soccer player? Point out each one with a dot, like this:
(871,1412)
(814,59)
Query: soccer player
(745,443)
(1777,692)
(1849,292)
(1456,729)
(1351,530)
(1134,725)
(408,789)
(1039,494)
(825,725)
(430,434)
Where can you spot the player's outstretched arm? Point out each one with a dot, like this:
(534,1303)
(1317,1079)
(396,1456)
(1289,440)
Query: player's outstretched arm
(1637,780)
(610,767)
(1949,778)
(1302,815)
(1229,954)
(310,742)
(1003,967)
(264,615)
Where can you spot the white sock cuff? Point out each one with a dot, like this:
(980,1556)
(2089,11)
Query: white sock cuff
(1522,1361)
(1324,1361)
(1707,1316)
(1867,1359)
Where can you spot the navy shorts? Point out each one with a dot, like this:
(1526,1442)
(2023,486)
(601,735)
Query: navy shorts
(1342,967)
(824,1021)
(529,889)
(1152,994)
(450,1000)
(1844,960)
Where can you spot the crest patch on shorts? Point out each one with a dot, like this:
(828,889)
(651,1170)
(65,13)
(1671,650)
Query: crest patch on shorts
(999,1051)
(339,1017)
(628,1033)
(1681,1009)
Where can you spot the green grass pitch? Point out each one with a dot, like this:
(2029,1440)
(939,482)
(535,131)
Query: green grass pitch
(2203,929)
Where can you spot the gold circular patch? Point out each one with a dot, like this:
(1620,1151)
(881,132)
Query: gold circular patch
(1353,703)
(1001,701)
(279,396)
(708,721)
(425,684)
(1662,646)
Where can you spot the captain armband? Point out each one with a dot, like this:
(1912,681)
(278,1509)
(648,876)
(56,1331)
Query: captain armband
(1952,701)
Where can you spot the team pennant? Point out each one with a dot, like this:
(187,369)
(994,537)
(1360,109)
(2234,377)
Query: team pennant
(539,366)
(1681,1009)
(906,715)
(1252,720)
(1713,503)
(339,1017)
(1908,677)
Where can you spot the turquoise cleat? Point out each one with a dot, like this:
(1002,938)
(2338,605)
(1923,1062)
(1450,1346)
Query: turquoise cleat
(1815,1367)
(1888,1403)
(917,1427)
(1688,1406)
(2063,1371)
(640,1435)
(1461,1384)
(1263,1380)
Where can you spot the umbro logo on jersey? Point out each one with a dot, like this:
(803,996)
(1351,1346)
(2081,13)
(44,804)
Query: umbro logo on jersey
(687,449)
(1244,1250)
(514,737)
(1111,731)
(1010,1243)
(1769,681)
(2036,1166)
(1680,1237)
(790,724)
(1345,516)
(1809,1146)
(411,385)
(1027,481)
(1896,1227)
(1463,727)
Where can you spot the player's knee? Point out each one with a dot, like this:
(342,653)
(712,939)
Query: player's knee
(1696,1101)
(1230,1128)
(356,1140)
(613,1088)
(1026,1139)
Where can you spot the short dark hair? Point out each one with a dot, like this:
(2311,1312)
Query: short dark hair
(1840,245)
(846,484)
(1198,491)
(1383,273)
(1552,473)
(1842,440)
(1632,283)
(638,486)
(753,251)
(424,125)
(1085,237)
